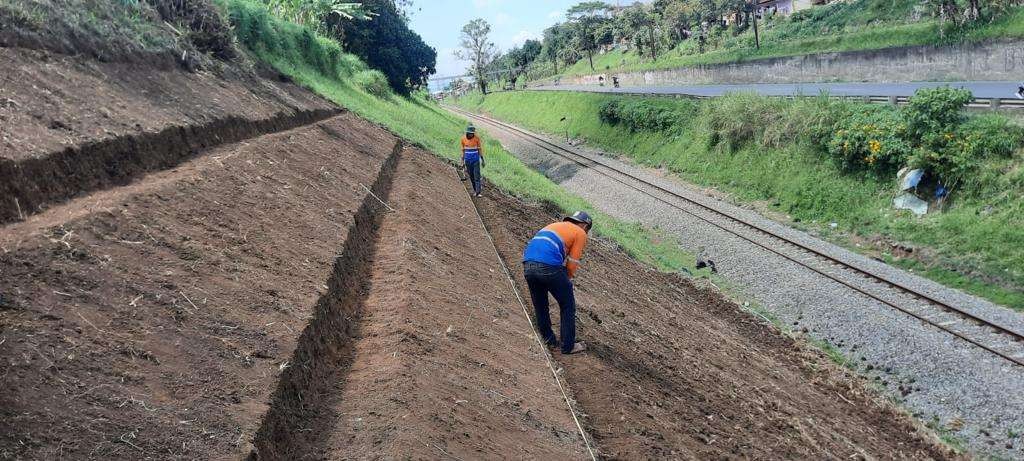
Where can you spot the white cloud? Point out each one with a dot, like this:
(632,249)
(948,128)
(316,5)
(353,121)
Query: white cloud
(482,4)
(501,19)
(448,64)
(523,36)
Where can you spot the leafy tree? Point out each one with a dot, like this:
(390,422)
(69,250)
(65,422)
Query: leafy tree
(556,39)
(386,43)
(478,49)
(677,17)
(586,18)
(529,52)
(515,62)
(641,25)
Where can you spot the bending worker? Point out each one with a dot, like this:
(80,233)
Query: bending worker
(473,157)
(550,261)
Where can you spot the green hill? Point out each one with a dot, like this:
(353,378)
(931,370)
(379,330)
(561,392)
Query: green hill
(841,26)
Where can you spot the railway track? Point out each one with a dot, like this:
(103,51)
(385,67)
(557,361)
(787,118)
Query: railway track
(1002,341)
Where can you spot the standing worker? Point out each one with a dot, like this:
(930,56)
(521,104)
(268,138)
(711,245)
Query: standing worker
(473,157)
(550,261)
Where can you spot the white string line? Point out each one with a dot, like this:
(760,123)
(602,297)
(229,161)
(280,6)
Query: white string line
(536,335)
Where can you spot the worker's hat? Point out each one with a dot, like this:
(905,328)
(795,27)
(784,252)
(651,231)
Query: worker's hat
(580,217)
(470,129)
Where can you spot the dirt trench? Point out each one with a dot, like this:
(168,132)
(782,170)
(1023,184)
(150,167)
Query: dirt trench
(677,371)
(422,351)
(70,125)
(299,418)
(153,320)
(33,183)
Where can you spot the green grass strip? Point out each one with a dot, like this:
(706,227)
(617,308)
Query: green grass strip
(976,245)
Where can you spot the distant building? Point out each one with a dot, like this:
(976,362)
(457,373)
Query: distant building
(785,7)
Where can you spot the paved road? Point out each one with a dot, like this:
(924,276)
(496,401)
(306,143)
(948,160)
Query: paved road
(980,89)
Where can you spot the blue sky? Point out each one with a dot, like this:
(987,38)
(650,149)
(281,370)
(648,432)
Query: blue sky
(512,22)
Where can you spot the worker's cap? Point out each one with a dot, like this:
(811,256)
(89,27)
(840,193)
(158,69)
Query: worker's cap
(470,129)
(580,217)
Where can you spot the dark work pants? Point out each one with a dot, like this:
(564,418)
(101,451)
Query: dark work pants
(543,279)
(473,170)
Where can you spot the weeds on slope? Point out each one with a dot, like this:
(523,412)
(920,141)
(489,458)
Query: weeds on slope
(776,152)
(840,26)
(320,65)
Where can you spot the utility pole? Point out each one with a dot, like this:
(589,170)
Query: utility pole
(757,38)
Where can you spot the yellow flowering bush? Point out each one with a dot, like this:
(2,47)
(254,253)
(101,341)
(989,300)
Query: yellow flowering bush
(931,132)
(872,138)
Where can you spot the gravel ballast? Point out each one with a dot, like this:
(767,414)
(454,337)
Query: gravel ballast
(965,391)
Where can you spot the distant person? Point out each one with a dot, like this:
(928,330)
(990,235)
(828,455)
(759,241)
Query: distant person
(550,261)
(1020,91)
(615,81)
(473,158)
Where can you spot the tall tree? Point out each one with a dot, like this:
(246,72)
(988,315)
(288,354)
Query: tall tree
(386,43)
(586,17)
(478,49)
(519,59)
(640,24)
(556,39)
(677,16)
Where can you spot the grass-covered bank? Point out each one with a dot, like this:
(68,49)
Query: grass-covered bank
(776,152)
(840,26)
(320,65)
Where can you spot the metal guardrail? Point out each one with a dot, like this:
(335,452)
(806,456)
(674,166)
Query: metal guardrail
(991,103)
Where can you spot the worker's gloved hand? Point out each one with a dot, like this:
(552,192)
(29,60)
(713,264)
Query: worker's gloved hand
(483,163)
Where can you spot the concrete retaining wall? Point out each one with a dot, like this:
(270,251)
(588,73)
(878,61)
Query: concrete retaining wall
(989,61)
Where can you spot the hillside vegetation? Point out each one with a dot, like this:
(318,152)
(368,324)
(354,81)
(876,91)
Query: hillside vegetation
(321,65)
(822,161)
(676,33)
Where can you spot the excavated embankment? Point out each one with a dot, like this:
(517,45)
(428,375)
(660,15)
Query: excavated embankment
(677,371)
(299,415)
(421,350)
(262,300)
(153,319)
(29,185)
(70,125)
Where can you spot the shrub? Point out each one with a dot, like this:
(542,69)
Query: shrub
(372,81)
(933,111)
(809,121)
(956,154)
(993,135)
(609,112)
(736,119)
(261,32)
(205,26)
(641,114)
(873,139)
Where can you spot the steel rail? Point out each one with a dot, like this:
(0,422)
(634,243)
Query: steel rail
(572,156)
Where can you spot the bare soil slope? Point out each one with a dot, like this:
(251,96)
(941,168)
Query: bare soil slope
(70,125)
(441,362)
(153,320)
(262,300)
(677,371)
(49,102)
